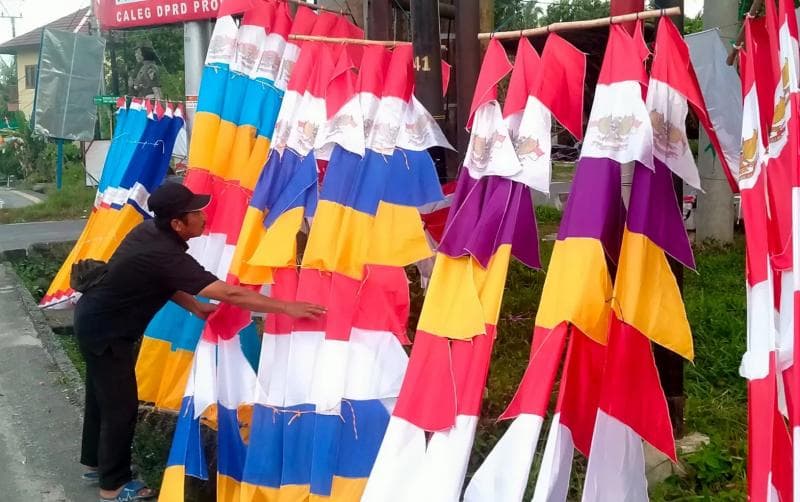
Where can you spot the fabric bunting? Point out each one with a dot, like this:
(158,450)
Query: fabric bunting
(135,165)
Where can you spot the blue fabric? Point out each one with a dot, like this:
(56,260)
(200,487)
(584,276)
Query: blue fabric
(187,445)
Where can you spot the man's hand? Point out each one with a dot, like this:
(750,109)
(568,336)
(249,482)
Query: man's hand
(303,310)
(203,309)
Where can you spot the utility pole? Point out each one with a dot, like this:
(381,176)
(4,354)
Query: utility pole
(196,37)
(428,65)
(715,213)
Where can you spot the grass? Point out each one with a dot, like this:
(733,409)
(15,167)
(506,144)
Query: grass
(716,395)
(73,201)
(563,171)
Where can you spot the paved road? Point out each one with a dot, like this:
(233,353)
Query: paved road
(39,427)
(17,236)
(15,198)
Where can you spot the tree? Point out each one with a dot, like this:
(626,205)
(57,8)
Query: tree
(517,14)
(576,10)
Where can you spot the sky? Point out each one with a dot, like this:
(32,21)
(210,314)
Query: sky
(35,13)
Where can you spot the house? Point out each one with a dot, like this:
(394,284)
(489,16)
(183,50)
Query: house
(25,49)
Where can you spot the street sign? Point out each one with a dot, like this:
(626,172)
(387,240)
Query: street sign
(105,100)
(118,14)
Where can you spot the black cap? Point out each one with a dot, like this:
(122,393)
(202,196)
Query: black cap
(171,200)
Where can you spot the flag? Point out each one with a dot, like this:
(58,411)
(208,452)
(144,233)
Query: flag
(491,216)
(135,165)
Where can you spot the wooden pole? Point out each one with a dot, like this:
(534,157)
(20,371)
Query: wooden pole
(379,19)
(350,41)
(670,364)
(583,25)
(428,65)
(468,64)
(740,39)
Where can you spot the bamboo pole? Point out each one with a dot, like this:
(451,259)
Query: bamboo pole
(315,6)
(350,41)
(740,39)
(582,25)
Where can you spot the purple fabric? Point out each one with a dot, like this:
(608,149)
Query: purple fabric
(488,213)
(653,211)
(595,208)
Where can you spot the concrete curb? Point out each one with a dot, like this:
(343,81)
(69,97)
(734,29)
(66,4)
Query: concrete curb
(72,380)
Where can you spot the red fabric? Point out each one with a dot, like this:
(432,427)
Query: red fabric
(261,14)
(304,21)
(623,59)
(225,322)
(342,302)
(536,389)
(523,78)
(384,302)
(631,390)
(581,387)
(494,68)
(342,85)
(560,84)
(283,288)
(761,406)
(313,286)
(399,81)
(373,70)
(764,54)
(225,213)
(282,23)
(444,378)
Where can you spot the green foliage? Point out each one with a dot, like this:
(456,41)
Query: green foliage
(517,14)
(167,43)
(36,155)
(693,24)
(576,10)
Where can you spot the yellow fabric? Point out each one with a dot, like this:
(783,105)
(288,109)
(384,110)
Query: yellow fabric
(100,238)
(278,246)
(398,237)
(255,163)
(252,233)
(243,142)
(223,144)
(227,489)
(463,297)
(577,288)
(161,373)
(339,240)
(204,134)
(172,484)
(342,490)
(647,295)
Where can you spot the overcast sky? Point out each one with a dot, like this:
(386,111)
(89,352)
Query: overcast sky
(38,12)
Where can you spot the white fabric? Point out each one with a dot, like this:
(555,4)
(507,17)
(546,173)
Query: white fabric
(306,124)
(222,47)
(721,89)
(441,476)
(250,44)
(399,459)
(616,469)
(382,132)
(530,132)
(668,109)
(290,55)
(490,151)
(345,128)
(203,377)
(760,331)
(420,131)
(236,379)
(272,366)
(271,56)
(552,484)
(619,126)
(752,149)
(505,471)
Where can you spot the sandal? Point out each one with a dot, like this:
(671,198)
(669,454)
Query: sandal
(131,492)
(93,477)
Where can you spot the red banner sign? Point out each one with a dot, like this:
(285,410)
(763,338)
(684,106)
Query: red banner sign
(118,14)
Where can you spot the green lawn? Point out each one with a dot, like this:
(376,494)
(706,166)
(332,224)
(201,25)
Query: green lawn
(716,404)
(73,201)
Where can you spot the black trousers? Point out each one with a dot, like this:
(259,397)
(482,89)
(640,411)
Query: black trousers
(110,414)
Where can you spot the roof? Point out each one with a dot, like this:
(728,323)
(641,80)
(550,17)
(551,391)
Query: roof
(77,22)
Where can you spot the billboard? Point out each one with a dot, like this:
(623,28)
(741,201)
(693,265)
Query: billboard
(118,14)
(70,76)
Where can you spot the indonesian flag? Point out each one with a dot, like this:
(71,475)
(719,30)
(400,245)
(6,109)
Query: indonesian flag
(759,362)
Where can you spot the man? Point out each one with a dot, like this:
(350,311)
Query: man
(149,268)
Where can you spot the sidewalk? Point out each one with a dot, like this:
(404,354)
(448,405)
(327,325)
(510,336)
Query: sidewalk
(40,422)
